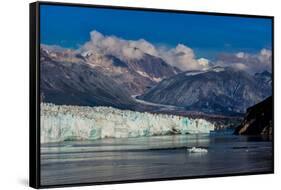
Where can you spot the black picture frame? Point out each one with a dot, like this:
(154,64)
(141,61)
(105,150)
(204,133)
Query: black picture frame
(34,91)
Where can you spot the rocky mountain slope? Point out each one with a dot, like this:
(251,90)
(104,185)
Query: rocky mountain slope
(222,90)
(72,82)
(134,75)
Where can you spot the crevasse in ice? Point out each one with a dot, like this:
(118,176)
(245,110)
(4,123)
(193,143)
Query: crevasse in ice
(61,123)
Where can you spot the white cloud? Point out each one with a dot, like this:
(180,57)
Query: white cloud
(252,63)
(240,55)
(181,56)
(123,49)
(240,66)
(265,56)
(204,62)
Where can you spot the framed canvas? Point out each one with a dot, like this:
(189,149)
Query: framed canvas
(121,94)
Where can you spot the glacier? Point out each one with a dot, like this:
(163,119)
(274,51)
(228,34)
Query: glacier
(61,123)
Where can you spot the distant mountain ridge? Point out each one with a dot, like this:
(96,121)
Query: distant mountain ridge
(264,77)
(135,75)
(223,90)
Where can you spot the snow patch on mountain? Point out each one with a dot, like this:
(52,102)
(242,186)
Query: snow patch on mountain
(216,69)
(156,79)
(193,73)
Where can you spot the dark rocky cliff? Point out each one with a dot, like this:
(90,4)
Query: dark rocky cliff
(258,119)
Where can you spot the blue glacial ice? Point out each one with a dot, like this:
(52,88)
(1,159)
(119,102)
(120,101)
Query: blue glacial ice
(61,123)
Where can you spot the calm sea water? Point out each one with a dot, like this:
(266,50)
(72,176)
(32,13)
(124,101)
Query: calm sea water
(152,157)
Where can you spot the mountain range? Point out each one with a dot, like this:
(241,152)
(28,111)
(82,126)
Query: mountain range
(72,77)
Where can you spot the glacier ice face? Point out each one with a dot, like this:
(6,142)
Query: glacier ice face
(61,123)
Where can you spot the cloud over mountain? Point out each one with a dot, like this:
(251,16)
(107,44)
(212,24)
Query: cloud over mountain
(180,56)
(123,49)
(252,63)
(183,58)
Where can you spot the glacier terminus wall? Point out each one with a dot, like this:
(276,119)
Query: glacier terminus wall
(61,123)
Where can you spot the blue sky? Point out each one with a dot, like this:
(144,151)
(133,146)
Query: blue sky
(207,35)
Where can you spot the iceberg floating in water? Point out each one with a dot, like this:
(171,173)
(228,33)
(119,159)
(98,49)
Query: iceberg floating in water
(197,150)
(61,123)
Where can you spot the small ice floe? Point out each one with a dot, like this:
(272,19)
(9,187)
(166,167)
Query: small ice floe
(197,150)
